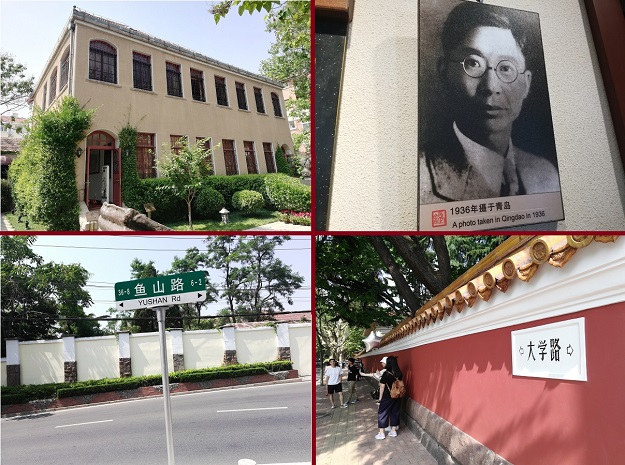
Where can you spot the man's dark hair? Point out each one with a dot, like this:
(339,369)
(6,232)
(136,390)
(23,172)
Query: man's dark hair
(467,16)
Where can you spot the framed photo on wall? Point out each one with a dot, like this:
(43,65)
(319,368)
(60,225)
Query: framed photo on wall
(487,153)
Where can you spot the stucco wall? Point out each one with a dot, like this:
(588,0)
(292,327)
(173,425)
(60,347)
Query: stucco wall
(375,173)
(44,360)
(301,349)
(256,345)
(99,358)
(203,349)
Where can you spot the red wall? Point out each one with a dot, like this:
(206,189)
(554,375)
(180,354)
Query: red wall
(529,421)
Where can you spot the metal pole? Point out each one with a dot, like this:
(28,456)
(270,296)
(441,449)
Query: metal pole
(160,315)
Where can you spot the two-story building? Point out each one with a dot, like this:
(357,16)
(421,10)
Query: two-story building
(169,92)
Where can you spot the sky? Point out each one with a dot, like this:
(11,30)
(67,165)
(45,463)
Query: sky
(30,29)
(108,258)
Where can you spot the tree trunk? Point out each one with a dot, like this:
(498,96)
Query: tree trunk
(402,285)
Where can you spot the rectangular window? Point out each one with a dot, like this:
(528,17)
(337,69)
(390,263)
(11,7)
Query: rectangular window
(146,152)
(64,69)
(174,83)
(269,161)
(102,62)
(220,88)
(241,97)
(141,71)
(250,157)
(45,93)
(229,157)
(277,110)
(176,143)
(209,158)
(197,85)
(53,86)
(258,96)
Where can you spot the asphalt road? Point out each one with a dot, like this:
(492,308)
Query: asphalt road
(268,424)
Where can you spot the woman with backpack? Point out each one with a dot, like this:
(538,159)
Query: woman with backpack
(388,411)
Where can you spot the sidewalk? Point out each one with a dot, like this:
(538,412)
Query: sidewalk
(347,435)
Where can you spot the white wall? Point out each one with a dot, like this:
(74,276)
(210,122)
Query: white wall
(202,349)
(375,173)
(256,345)
(98,357)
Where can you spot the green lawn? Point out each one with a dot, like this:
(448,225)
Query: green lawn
(21,226)
(238,222)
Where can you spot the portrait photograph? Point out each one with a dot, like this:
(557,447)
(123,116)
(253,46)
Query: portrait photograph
(487,152)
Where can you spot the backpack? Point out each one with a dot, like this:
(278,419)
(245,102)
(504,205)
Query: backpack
(398,389)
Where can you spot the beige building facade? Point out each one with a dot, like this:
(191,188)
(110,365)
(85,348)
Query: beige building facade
(167,92)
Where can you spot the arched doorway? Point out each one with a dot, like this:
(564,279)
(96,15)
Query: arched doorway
(103,171)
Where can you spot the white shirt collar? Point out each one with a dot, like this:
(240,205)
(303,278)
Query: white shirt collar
(488,163)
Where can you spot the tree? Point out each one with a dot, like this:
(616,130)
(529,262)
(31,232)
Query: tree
(15,86)
(365,279)
(253,280)
(185,168)
(36,294)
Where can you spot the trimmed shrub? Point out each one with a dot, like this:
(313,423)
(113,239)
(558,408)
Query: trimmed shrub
(208,202)
(6,196)
(286,193)
(248,201)
(169,207)
(229,185)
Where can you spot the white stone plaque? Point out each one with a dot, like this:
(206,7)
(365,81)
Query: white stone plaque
(557,351)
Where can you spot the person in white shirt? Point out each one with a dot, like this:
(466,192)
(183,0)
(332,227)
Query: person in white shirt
(333,377)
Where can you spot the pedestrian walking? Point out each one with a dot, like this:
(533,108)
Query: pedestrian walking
(333,379)
(352,376)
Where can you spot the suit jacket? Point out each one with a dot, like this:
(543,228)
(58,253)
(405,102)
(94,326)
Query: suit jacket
(445,174)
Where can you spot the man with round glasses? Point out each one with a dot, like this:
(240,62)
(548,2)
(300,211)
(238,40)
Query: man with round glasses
(485,76)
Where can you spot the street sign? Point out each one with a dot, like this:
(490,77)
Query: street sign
(160,291)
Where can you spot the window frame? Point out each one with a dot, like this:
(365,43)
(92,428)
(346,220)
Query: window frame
(108,54)
(269,158)
(234,156)
(250,155)
(137,63)
(221,85)
(175,71)
(173,143)
(210,157)
(259,98)
(202,96)
(149,156)
(241,96)
(53,86)
(277,108)
(64,75)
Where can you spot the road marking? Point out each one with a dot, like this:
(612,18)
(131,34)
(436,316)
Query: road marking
(251,409)
(81,424)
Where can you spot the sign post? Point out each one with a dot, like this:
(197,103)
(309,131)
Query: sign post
(159,293)
(169,433)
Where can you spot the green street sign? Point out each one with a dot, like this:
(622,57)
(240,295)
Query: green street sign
(161,291)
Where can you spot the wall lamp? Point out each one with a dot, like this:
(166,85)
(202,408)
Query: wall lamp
(78,152)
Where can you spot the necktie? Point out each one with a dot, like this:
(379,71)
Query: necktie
(510,184)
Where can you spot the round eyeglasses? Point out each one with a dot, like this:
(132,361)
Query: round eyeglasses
(475,66)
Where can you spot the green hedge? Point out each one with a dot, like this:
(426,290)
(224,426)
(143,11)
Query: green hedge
(286,193)
(247,201)
(208,203)
(23,394)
